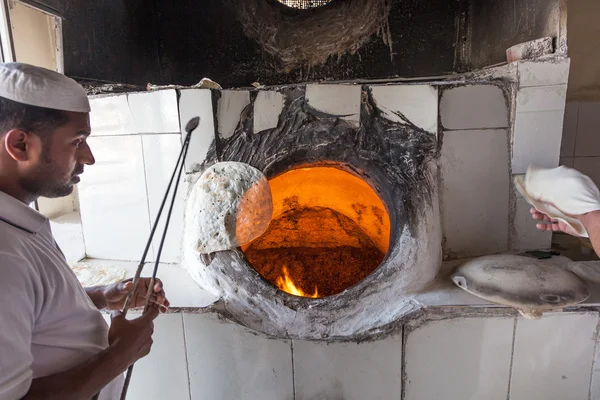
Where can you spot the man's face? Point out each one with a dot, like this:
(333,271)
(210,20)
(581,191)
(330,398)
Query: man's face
(60,159)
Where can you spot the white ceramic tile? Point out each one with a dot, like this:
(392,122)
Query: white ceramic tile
(181,290)
(267,109)
(476,192)
(227,361)
(527,236)
(538,127)
(544,73)
(339,100)
(589,166)
(197,103)
(595,386)
(569,133)
(349,371)
(474,107)
(111,115)
(67,232)
(459,359)
(417,103)
(553,357)
(162,374)
(230,106)
(160,156)
(567,162)
(113,200)
(588,132)
(537,140)
(547,98)
(155,112)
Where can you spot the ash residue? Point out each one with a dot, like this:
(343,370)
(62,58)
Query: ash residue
(391,156)
(309,38)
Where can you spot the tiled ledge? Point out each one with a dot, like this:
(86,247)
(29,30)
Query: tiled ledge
(185,295)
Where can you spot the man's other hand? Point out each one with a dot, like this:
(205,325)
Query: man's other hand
(132,338)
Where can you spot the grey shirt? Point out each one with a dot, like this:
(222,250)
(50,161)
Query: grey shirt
(48,323)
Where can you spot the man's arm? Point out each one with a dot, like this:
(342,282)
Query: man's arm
(129,341)
(96,294)
(591,222)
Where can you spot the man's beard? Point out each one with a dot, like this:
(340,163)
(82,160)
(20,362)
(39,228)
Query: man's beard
(43,181)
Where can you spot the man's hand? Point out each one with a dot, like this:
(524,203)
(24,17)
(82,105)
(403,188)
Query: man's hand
(132,339)
(549,224)
(116,294)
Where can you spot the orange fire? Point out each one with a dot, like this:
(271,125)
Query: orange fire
(286,284)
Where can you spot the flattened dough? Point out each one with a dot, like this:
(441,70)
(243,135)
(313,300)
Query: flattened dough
(97,274)
(530,285)
(230,205)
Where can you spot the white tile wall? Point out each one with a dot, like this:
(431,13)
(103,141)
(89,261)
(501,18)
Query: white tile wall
(474,107)
(538,127)
(230,106)
(67,232)
(163,374)
(154,112)
(533,73)
(160,157)
(197,103)
(114,202)
(340,100)
(228,362)
(595,386)
(589,166)
(349,371)
(111,116)
(588,130)
(476,191)
(527,236)
(553,357)
(567,148)
(267,109)
(418,103)
(459,359)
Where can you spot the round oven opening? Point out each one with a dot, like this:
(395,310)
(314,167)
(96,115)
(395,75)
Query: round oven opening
(329,231)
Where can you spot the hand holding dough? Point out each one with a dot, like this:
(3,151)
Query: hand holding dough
(560,193)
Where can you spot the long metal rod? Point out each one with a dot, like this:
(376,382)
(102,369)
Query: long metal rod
(140,267)
(178,168)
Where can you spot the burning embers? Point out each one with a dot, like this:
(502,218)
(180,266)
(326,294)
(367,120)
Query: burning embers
(329,231)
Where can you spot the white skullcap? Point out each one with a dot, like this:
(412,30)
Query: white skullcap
(41,87)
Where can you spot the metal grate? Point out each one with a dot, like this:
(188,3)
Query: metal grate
(304,4)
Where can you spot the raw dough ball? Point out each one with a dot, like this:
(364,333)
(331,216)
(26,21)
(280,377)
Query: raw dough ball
(229,206)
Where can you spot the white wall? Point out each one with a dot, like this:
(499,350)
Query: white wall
(581,138)
(492,358)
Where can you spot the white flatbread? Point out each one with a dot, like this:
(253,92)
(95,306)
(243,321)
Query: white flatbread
(97,274)
(229,206)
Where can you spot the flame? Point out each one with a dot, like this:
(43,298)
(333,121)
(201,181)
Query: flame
(286,284)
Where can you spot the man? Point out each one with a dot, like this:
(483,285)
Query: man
(54,343)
